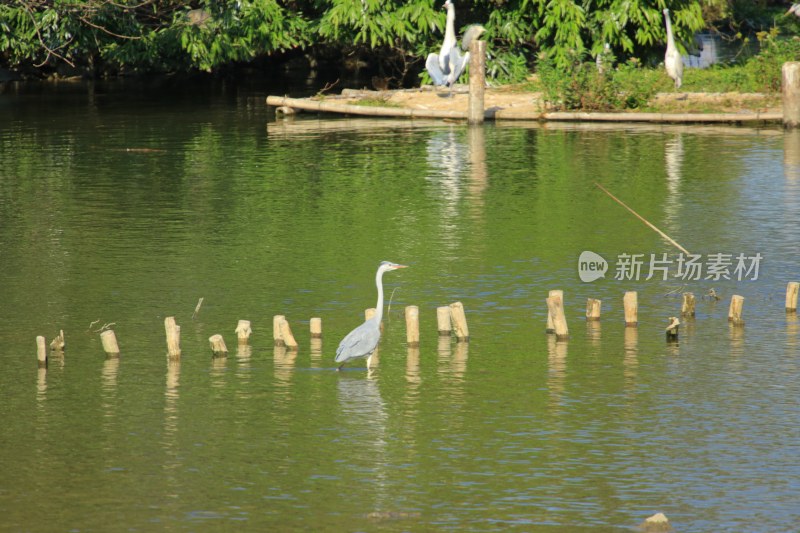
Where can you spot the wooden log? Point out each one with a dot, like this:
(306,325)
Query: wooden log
(687,309)
(41,351)
(350,109)
(286,335)
(791,296)
(593,309)
(173,338)
(218,347)
(791,94)
(412,326)
(58,343)
(630,303)
(735,310)
(443,324)
(551,328)
(277,336)
(243,331)
(285,110)
(477,82)
(315,325)
(459,320)
(672,329)
(555,309)
(109,340)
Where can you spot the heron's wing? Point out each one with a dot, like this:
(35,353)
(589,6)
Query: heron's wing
(457,64)
(434,70)
(360,342)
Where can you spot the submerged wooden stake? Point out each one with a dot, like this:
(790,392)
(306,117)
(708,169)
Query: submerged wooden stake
(218,347)
(443,324)
(315,325)
(630,304)
(286,335)
(412,326)
(551,328)
(277,336)
(243,331)
(41,351)
(791,296)
(173,337)
(58,343)
(109,340)
(672,329)
(687,309)
(593,309)
(735,310)
(459,320)
(555,309)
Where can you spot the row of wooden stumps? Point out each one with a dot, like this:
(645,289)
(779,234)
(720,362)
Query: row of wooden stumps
(557,322)
(450,319)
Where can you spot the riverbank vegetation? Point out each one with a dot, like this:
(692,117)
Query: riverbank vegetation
(559,40)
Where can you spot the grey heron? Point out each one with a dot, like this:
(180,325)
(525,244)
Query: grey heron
(447,66)
(362,341)
(673,62)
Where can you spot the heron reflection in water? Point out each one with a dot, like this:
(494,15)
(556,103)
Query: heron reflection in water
(362,341)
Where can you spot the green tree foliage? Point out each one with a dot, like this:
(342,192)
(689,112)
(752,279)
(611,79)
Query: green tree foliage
(111,36)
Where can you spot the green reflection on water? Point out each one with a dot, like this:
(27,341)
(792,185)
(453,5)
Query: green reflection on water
(130,213)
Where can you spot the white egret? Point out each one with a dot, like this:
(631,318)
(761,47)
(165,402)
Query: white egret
(673,61)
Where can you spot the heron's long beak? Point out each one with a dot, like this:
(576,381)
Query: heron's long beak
(400,266)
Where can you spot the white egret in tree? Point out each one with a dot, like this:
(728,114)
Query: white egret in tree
(673,62)
(362,341)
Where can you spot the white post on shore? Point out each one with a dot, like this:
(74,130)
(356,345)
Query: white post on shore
(791,94)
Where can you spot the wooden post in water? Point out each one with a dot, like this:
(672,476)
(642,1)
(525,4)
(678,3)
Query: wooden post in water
(555,309)
(735,310)
(791,296)
(477,81)
(791,94)
(218,347)
(551,328)
(58,343)
(243,331)
(672,329)
(459,320)
(315,326)
(277,337)
(286,335)
(41,351)
(593,309)
(109,340)
(443,324)
(412,326)
(687,309)
(630,303)
(173,338)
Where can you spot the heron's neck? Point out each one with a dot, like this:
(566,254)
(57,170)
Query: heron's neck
(670,38)
(450,26)
(379,306)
